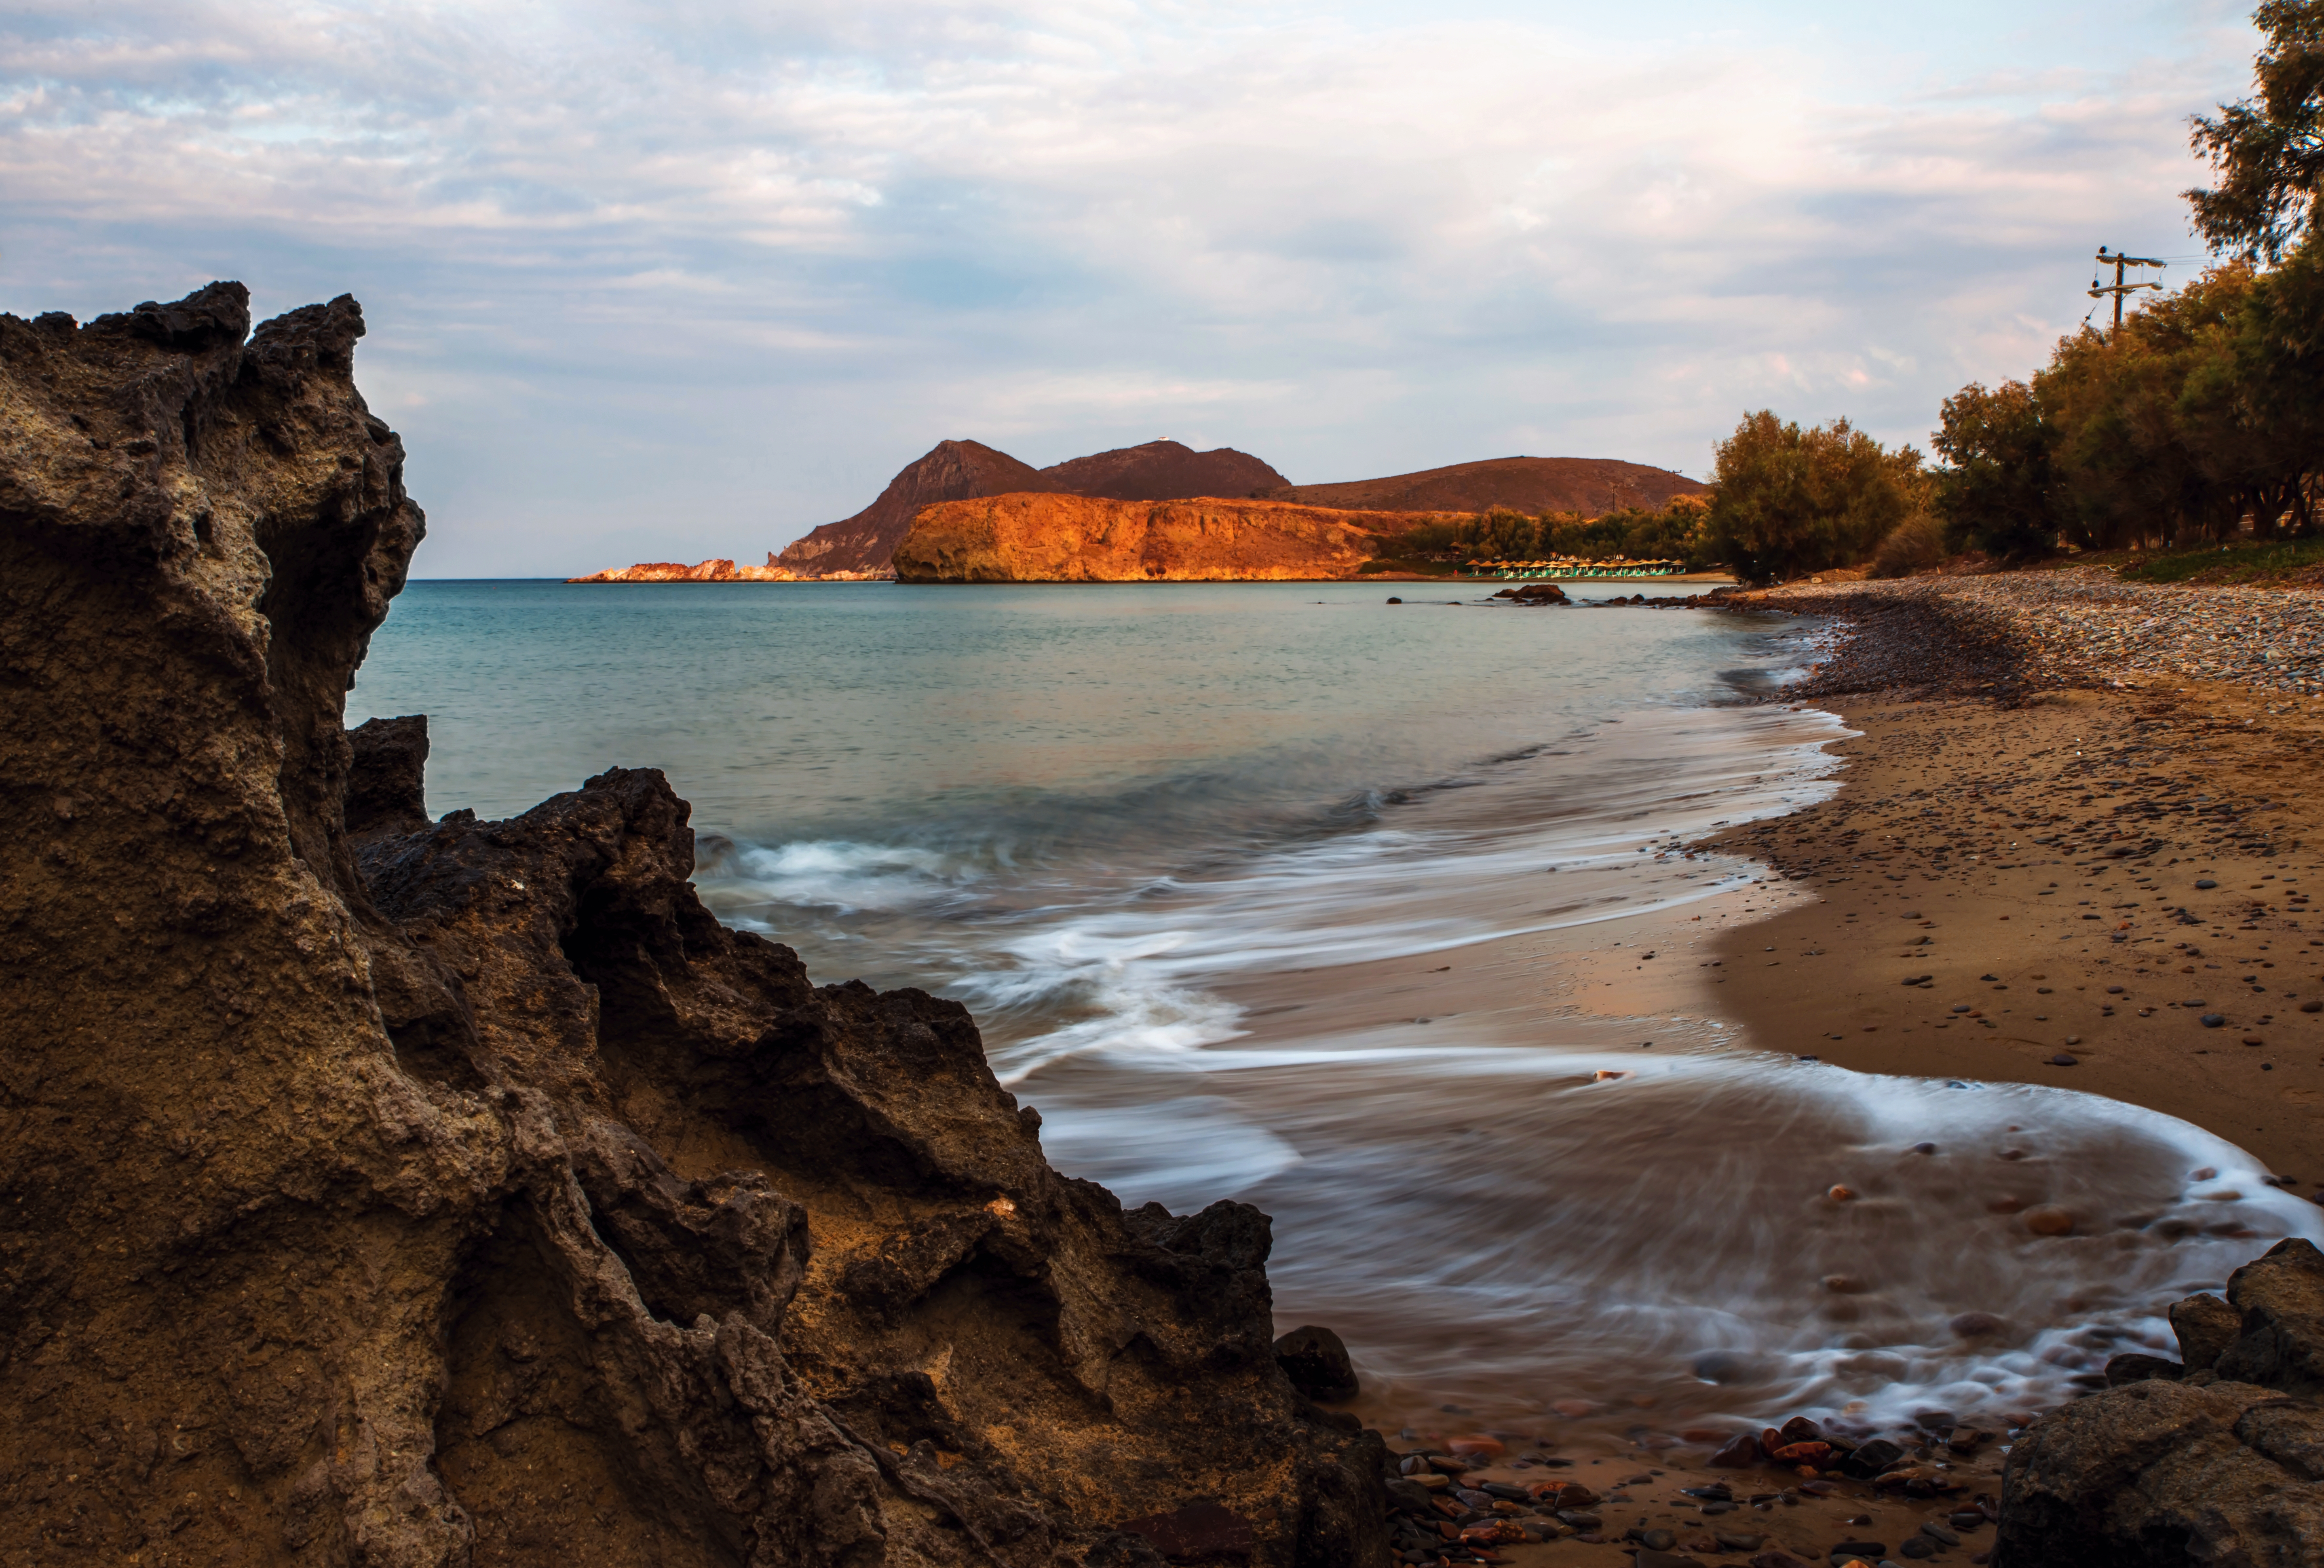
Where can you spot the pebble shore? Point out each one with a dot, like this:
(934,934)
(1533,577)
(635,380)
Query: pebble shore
(2071,626)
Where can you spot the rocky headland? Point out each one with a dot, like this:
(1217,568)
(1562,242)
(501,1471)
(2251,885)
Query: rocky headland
(865,544)
(389,1191)
(1074,538)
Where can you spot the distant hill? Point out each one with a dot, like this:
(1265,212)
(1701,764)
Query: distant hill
(950,471)
(1589,486)
(966,470)
(1165,471)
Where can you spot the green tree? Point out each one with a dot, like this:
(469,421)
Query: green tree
(1788,501)
(2252,403)
(2136,457)
(2267,150)
(1997,495)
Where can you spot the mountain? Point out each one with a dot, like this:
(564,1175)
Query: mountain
(1090,538)
(965,470)
(1165,471)
(1589,486)
(951,471)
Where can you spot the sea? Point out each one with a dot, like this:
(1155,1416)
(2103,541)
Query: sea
(1384,917)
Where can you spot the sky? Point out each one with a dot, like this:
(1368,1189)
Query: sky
(674,280)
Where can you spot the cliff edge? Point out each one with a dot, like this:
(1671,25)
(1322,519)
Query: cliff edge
(1080,539)
(386,1191)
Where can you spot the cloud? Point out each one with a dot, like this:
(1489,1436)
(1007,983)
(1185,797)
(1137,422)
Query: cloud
(692,278)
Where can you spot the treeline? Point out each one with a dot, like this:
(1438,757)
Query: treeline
(2199,417)
(1673,532)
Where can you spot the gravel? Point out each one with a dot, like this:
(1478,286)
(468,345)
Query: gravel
(2074,626)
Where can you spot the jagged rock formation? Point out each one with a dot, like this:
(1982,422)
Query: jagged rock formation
(402,1193)
(2216,1459)
(1591,486)
(1076,539)
(950,471)
(1165,471)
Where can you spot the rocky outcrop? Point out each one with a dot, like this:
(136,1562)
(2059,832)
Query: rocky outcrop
(1071,539)
(865,544)
(385,1190)
(1590,486)
(718,569)
(2217,1459)
(950,471)
(1165,471)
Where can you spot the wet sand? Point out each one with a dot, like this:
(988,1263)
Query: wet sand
(2039,865)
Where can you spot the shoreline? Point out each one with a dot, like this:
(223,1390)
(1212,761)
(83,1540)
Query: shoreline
(2048,802)
(2075,962)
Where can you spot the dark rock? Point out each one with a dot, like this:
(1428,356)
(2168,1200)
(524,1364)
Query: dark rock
(1121,1549)
(2063,1059)
(1870,1459)
(1197,1531)
(1870,1551)
(1740,1452)
(1394,600)
(2225,1464)
(2281,1299)
(2206,1326)
(1317,1363)
(2164,1472)
(1659,1539)
(1917,1547)
(2137,1369)
(341,1146)
(1540,594)
(2211,1020)
(1410,1497)
(387,777)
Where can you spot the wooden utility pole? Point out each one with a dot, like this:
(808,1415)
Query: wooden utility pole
(2121,288)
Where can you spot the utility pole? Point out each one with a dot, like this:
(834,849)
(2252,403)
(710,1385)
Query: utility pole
(2121,288)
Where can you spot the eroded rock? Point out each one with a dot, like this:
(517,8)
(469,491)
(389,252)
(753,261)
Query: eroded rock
(398,1192)
(2217,1459)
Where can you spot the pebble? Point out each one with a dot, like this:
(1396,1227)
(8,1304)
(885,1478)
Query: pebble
(2254,1040)
(2211,1020)
(2061,1059)
(2207,883)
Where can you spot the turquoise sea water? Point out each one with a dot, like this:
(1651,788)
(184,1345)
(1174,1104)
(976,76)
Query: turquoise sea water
(1199,854)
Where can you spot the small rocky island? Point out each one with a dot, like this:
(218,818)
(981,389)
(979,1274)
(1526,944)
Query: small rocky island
(387,1191)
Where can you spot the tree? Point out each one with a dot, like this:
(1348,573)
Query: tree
(1788,501)
(2268,151)
(1997,496)
(2252,404)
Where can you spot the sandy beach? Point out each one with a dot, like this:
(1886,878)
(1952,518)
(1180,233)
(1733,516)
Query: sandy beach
(2096,866)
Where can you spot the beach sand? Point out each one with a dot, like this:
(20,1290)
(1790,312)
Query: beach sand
(2040,864)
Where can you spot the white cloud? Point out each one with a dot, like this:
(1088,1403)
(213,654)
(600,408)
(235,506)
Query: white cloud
(725,266)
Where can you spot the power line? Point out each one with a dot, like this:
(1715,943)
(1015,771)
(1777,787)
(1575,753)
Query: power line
(2121,288)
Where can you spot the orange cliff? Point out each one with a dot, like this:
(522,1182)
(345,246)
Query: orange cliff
(1049,537)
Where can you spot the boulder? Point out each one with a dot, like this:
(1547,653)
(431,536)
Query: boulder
(2217,1459)
(1317,1363)
(407,1193)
